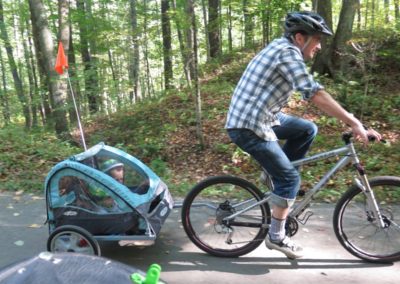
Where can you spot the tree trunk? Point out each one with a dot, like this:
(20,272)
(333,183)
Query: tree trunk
(248,25)
(372,14)
(192,45)
(37,103)
(115,77)
(220,26)
(92,39)
(167,48)
(148,80)
(46,48)
(3,93)
(314,5)
(205,21)
(29,69)
(91,81)
(213,28)
(322,63)
(386,7)
(230,38)
(74,82)
(397,11)
(343,33)
(366,14)
(359,18)
(60,95)
(134,62)
(13,66)
(43,78)
(266,19)
(182,45)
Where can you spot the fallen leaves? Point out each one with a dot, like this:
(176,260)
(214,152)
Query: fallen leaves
(37,197)
(35,226)
(19,243)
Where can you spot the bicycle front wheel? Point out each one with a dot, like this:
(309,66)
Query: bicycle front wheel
(206,210)
(358,230)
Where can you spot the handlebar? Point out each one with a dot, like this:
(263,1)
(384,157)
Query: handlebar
(346,137)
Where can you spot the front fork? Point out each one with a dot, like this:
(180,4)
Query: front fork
(363,184)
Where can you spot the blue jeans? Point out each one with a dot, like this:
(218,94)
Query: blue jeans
(299,135)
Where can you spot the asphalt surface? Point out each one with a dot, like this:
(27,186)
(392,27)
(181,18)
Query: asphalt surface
(23,235)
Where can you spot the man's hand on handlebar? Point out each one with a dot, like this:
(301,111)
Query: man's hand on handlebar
(373,135)
(365,135)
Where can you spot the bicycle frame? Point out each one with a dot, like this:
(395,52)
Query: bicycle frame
(349,155)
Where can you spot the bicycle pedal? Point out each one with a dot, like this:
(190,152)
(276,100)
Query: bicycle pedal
(305,218)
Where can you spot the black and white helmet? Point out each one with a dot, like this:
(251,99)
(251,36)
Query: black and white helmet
(307,22)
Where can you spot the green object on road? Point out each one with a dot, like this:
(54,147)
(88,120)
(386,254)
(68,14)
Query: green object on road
(152,276)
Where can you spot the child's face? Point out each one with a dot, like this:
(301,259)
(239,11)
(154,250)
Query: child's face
(118,174)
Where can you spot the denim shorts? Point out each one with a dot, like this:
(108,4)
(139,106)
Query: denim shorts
(273,159)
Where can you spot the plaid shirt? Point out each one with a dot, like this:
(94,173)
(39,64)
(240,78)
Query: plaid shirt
(266,86)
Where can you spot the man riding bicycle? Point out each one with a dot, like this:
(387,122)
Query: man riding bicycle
(255,122)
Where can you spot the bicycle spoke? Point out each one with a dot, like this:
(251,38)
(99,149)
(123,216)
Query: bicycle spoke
(230,223)
(360,232)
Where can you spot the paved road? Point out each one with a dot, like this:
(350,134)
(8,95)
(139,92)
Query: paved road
(23,235)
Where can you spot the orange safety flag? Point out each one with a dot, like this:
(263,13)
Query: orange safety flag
(61,61)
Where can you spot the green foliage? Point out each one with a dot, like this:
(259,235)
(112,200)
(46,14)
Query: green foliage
(26,157)
(222,148)
(324,120)
(160,167)
(180,188)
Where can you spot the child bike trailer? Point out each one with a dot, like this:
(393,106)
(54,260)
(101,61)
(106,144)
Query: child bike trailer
(103,194)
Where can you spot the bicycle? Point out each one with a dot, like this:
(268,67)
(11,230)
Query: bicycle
(228,216)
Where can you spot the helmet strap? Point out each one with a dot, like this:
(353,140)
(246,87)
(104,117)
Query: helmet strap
(307,43)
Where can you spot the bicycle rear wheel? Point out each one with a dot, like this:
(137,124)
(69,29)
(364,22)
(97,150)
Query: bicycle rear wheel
(206,207)
(357,229)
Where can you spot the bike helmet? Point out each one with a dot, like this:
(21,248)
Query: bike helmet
(109,165)
(307,22)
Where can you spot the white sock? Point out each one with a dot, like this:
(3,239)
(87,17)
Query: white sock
(277,229)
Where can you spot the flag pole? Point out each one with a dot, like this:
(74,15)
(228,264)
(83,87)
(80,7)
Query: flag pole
(61,64)
(77,113)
